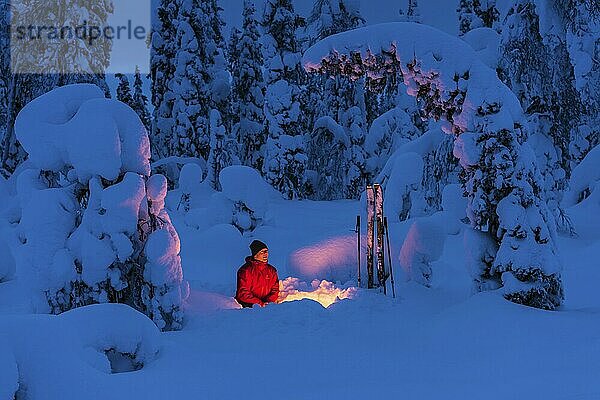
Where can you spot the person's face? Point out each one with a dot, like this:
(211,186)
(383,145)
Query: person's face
(262,256)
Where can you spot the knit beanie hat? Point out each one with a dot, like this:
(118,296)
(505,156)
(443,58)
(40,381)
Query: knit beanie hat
(257,246)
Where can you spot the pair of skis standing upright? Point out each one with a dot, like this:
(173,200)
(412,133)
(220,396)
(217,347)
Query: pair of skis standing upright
(375,219)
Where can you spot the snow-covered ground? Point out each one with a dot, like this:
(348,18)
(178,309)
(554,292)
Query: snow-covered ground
(428,343)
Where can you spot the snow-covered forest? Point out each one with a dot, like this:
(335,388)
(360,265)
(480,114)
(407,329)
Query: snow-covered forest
(128,202)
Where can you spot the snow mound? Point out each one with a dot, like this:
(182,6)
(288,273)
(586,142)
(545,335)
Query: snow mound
(7,264)
(171,167)
(333,259)
(402,184)
(454,202)
(190,177)
(191,191)
(401,177)
(243,201)
(114,326)
(244,184)
(81,342)
(222,243)
(584,179)
(323,292)
(75,126)
(486,43)
(423,245)
(9,375)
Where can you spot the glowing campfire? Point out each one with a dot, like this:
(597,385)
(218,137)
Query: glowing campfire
(323,292)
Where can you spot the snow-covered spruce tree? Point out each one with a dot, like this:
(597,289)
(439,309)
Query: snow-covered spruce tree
(93,226)
(232,47)
(162,68)
(413,14)
(216,61)
(249,91)
(285,161)
(140,100)
(357,174)
(535,65)
(476,14)
(343,100)
(441,168)
(181,80)
(327,151)
(188,89)
(233,66)
(467,19)
(329,17)
(188,75)
(123,90)
(286,165)
(5,84)
(386,134)
(223,149)
(581,20)
(502,183)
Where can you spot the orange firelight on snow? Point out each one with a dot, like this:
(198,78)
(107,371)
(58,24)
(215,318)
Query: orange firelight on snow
(324,292)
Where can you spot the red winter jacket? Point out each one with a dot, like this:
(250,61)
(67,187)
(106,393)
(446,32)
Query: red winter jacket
(257,283)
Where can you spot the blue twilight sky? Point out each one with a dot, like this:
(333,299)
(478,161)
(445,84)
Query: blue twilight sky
(438,13)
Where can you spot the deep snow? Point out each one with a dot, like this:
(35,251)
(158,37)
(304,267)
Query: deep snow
(431,343)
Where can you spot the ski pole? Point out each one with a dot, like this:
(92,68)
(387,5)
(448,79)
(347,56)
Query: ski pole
(358,237)
(387,237)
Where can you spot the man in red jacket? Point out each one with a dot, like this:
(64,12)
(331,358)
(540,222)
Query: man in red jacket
(257,280)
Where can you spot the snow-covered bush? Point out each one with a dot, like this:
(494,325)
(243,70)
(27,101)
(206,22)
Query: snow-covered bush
(171,168)
(187,193)
(402,177)
(454,202)
(423,245)
(582,200)
(243,200)
(92,218)
(426,236)
(500,173)
(584,180)
(403,188)
(486,42)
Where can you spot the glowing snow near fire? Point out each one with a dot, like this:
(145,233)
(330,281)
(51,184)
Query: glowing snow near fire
(323,292)
(333,259)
